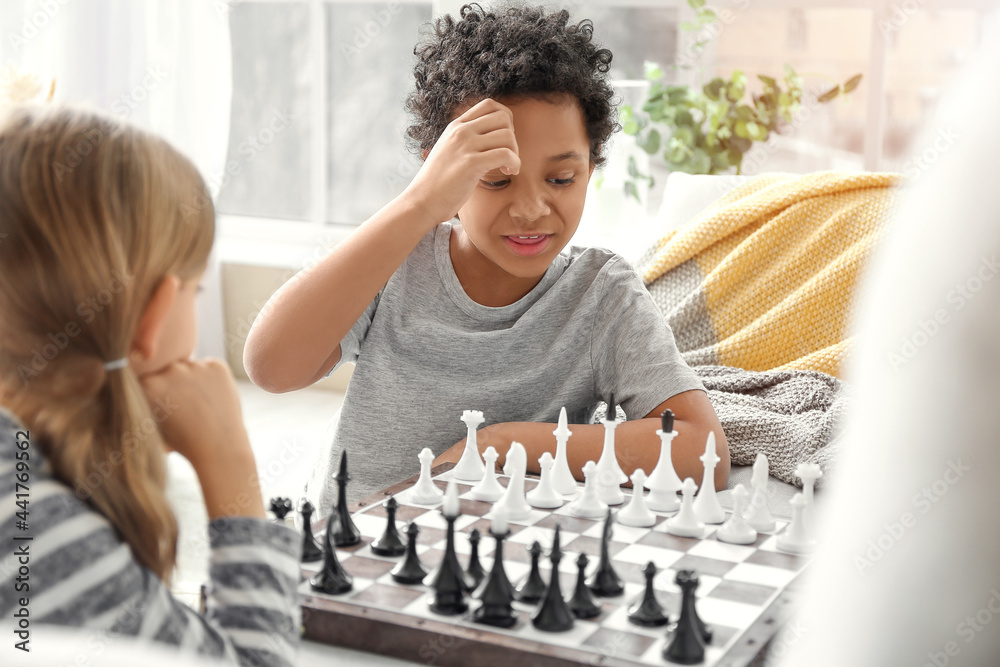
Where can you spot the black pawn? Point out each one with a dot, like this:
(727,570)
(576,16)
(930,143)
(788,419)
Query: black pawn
(311,551)
(553,615)
(496,594)
(410,570)
(687,646)
(605,582)
(667,421)
(474,574)
(612,414)
(583,604)
(533,588)
(347,533)
(647,610)
(333,578)
(390,544)
(281,507)
(449,580)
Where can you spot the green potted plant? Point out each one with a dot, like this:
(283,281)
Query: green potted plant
(708,129)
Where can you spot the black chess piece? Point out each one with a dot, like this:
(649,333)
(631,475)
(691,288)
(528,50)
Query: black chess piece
(448,581)
(474,574)
(533,588)
(332,579)
(583,604)
(612,414)
(647,610)
(667,421)
(390,544)
(605,582)
(311,551)
(347,533)
(280,507)
(687,645)
(410,570)
(496,594)
(553,614)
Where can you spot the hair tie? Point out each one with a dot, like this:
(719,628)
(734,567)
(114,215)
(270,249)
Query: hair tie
(116,364)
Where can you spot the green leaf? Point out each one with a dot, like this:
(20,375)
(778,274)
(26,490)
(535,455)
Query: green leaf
(631,191)
(653,71)
(684,117)
(630,127)
(713,89)
(768,81)
(633,171)
(650,142)
(829,95)
(696,4)
(599,181)
(687,26)
(852,83)
(700,162)
(706,15)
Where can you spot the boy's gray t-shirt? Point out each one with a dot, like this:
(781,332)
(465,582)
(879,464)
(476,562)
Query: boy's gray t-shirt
(424,352)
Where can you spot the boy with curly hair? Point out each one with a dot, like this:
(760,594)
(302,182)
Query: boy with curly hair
(494,312)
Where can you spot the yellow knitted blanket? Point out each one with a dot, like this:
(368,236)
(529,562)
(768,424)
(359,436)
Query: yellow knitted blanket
(765,277)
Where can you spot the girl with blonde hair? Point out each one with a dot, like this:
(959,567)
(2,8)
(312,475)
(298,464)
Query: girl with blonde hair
(105,231)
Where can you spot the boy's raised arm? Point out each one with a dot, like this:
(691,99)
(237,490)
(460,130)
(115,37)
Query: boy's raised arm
(296,338)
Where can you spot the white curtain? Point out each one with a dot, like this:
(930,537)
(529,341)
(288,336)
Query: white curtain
(162,64)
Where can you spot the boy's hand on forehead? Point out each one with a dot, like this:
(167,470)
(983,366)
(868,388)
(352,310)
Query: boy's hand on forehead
(478,141)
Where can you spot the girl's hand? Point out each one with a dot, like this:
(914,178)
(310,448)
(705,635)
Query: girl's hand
(204,421)
(478,141)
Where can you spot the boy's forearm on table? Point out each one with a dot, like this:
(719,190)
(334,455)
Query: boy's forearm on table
(636,446)
(301,327)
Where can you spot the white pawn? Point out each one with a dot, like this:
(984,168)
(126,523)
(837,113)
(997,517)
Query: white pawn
(706,505)
(809,473)
(588,504)
(795,539)
(758,514)
(663,483)
(470,467)
(608,488)
(686,523)
(544,495)
(488,488)
(737,530)
(607,465)
(425,492)
(562,477)
(636,513)
(513,500)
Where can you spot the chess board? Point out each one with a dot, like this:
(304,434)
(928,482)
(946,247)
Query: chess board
(745,594)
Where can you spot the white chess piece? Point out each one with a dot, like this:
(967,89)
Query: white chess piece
(607,466)
(706,504)
(588,504)
(544,496)
(562,477)
(470,467)
(795,539)
(758,514)
(607,485)
(809,473)
(513,499)
(636,513)
(488,488)
(686,523)
(736,530)
(425,492)
(663,483)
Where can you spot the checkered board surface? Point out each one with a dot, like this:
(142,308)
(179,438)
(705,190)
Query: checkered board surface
(738,584)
